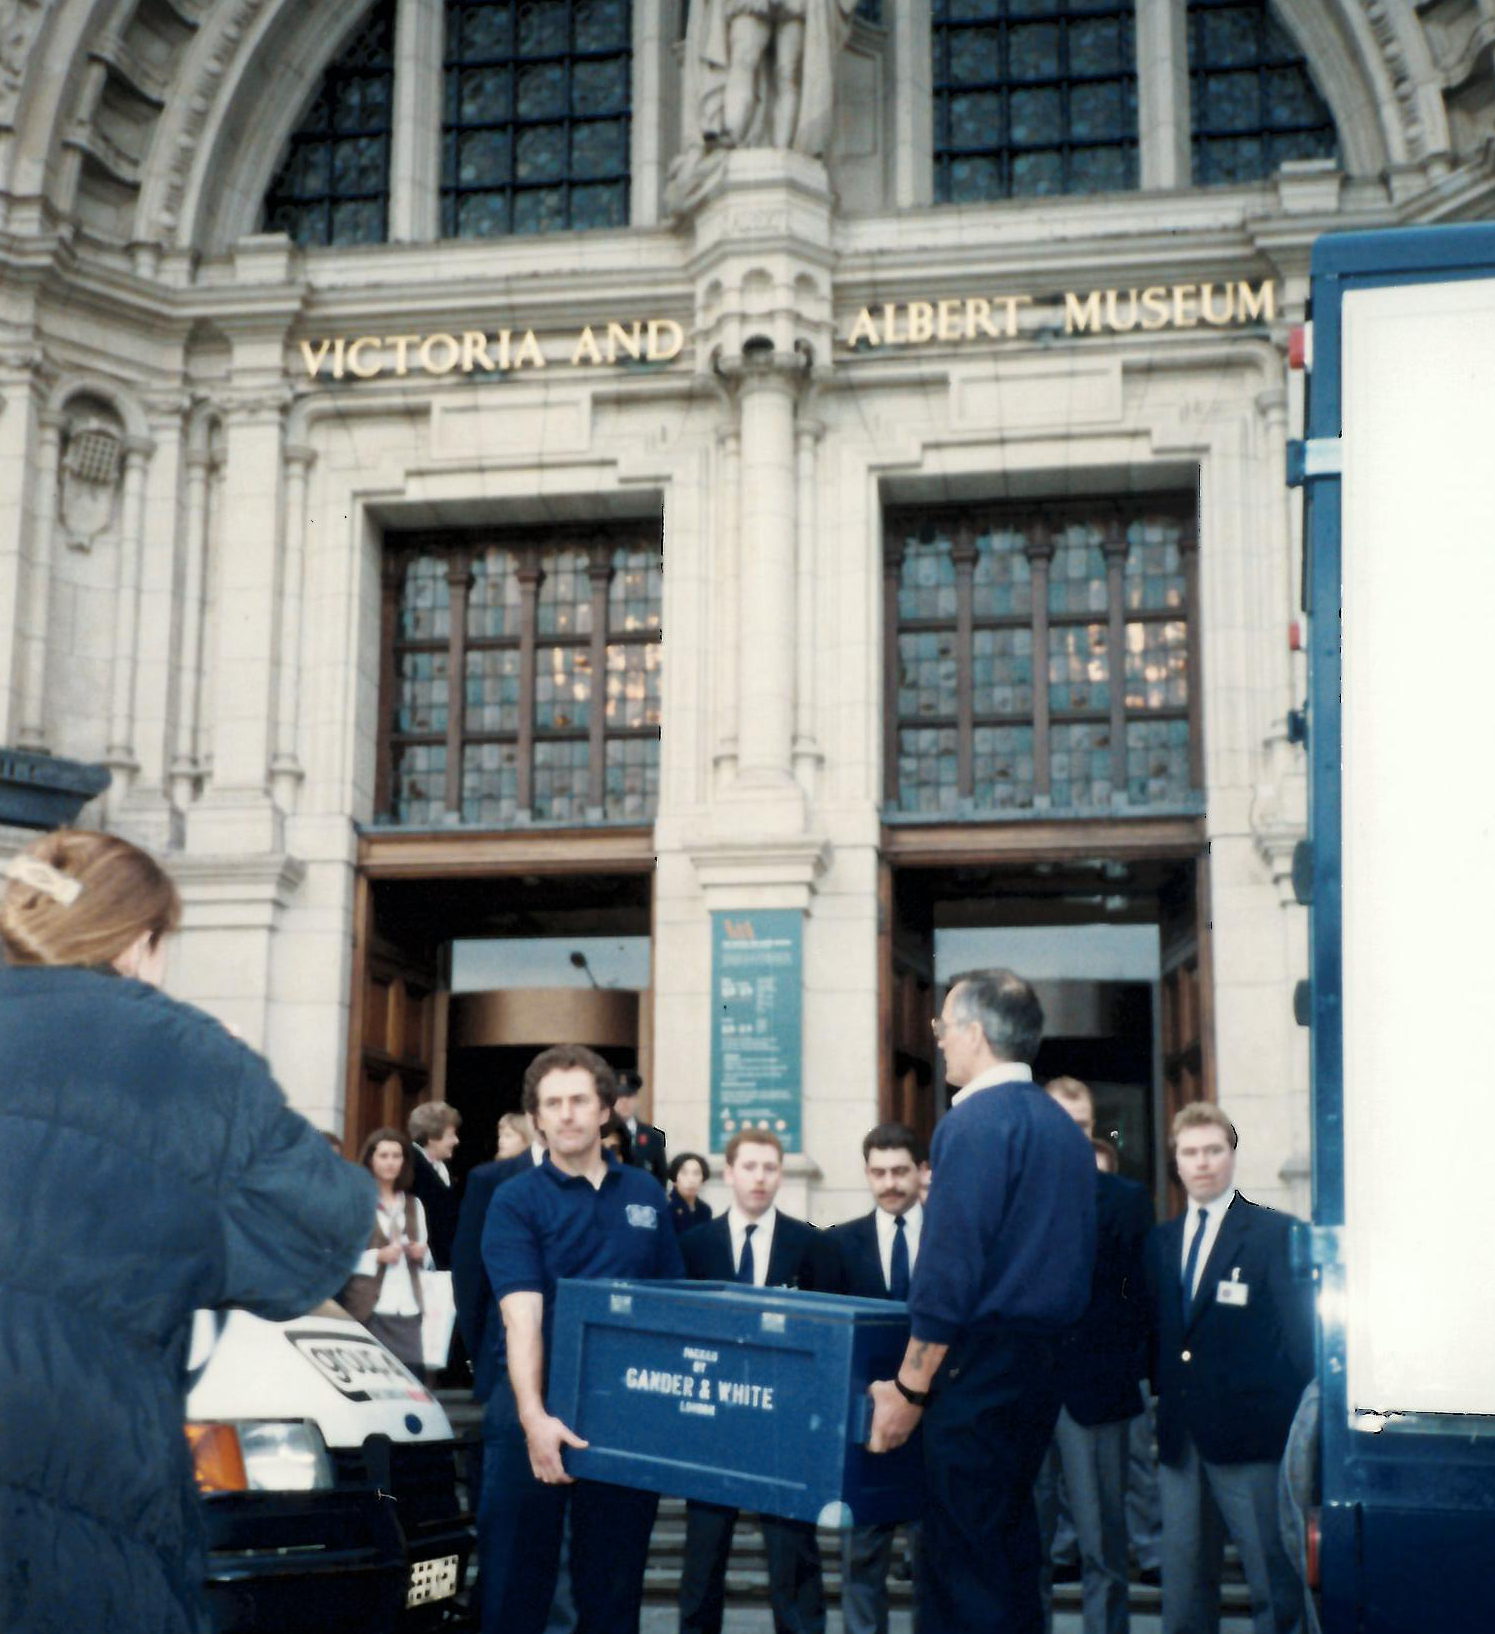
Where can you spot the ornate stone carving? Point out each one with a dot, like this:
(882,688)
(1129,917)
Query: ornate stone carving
(92,467)
(19,22)
(758,73)
(197,103)
(1383,16)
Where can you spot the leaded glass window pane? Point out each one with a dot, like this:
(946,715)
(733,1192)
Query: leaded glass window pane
(632,783)
(561,780)
(332,186)
(1040,660)
(1002,767)
(557,714)
(926,771)
(1080,765)
(1253,103)
(1033,98)
(536,128)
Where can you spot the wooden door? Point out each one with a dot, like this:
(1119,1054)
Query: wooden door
(907,1007)
(1187,1008)
(397,1011)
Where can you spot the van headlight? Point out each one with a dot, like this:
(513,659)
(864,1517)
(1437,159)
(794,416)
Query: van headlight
(259,1455)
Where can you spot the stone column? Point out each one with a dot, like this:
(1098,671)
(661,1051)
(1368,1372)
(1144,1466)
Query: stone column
(415,144)
(32,732)
(285,769)
(728,521)
(120,753)
(1164,158)
(806,747)
(770,384)
(186,767)
(236,813)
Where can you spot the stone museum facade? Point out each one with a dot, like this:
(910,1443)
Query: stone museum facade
(486,472)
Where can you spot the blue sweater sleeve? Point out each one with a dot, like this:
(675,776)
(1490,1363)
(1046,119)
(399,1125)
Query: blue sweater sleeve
(969,1188)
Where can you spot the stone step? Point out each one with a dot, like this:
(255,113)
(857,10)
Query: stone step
(747,1572)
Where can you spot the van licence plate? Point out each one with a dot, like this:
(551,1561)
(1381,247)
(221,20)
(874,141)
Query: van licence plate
(432,1580)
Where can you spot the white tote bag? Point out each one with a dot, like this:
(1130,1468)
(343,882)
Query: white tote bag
(439,1318)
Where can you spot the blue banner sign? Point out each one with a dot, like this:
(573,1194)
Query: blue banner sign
(757,1023)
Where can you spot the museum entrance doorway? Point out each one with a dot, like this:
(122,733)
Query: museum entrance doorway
(1114,935)
(473,953)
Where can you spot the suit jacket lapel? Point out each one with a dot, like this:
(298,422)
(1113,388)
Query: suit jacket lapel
(874,1254)
(782,1262)
(724,1248)
(1220,1256)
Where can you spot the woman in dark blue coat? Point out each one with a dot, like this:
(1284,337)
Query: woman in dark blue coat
(148,1166)
(688,1209)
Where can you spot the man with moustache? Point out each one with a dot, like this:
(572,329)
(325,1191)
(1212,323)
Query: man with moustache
(878,1255)
(579,1213)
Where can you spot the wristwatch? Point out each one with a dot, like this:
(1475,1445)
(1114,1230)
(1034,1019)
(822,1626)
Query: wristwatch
(915,1398)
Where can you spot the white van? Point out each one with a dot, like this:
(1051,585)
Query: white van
(330,1479)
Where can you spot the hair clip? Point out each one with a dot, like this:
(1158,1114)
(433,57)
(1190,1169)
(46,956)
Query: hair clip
(42,876)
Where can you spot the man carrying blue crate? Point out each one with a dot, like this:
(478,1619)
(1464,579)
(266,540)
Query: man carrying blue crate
(579,1213)
(1004,1269)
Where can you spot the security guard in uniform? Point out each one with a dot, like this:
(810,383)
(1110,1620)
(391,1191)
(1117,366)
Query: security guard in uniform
(579,1213)
(1004,1268)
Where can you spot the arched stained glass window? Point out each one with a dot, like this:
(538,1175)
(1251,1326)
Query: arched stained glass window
(333,183)
(535,128)
(1033,97)
(1253,101)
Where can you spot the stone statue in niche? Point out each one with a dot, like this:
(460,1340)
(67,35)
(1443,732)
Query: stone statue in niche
(757,73)
(90,480)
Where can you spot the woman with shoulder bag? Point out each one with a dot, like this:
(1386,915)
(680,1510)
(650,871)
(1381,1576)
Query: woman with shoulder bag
(384,1292)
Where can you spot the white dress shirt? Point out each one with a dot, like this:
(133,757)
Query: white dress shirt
(737,1224)
(1005,1072)
(1215,1213)
(537,1151)
(887,1230)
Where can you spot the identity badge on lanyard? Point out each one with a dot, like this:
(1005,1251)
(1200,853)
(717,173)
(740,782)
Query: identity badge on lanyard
(1234,1292)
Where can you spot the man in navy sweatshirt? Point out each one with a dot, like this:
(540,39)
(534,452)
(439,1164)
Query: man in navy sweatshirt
(1004,1269)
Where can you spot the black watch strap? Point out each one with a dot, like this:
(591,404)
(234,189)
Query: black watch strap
(915,1398)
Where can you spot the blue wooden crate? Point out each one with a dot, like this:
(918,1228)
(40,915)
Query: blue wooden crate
(753,1397)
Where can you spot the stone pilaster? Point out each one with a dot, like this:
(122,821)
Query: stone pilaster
(285,769)
(236,812)
(32,729)
(119,755)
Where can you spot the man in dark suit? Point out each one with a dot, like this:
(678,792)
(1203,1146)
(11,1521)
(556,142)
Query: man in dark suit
(433,1128)
(1100,1364)
(647,1151)
(1232,1340)
(754,1244)
(878,1255)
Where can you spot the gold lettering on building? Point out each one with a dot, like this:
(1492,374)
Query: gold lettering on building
(493,351)
(956,319)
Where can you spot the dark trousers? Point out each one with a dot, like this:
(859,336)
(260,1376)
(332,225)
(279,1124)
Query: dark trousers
(795,1589)
(520,1526)
(986,1430)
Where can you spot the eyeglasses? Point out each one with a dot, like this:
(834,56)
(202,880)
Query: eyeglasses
(939,1027)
